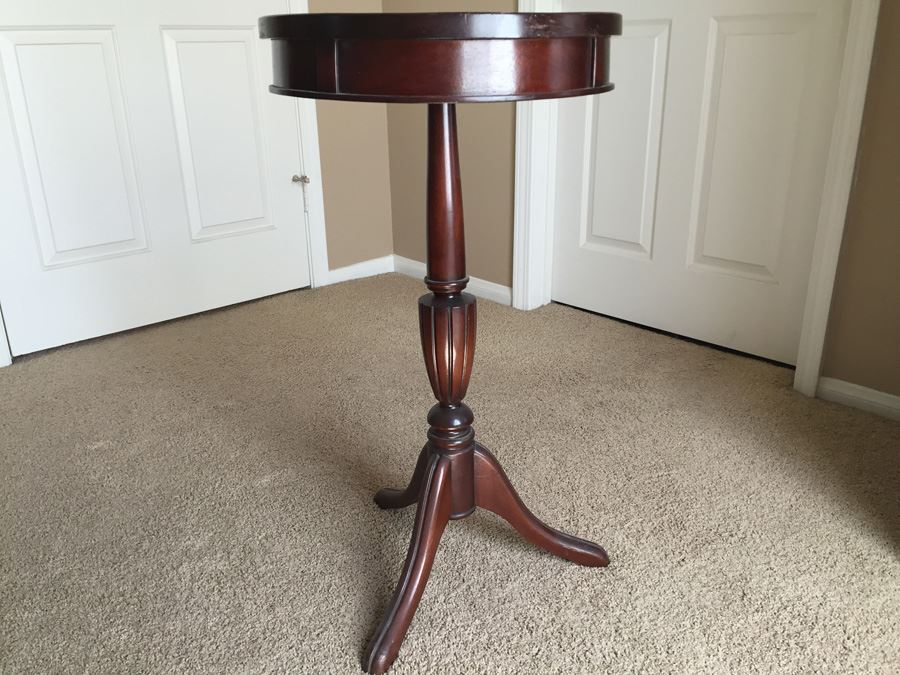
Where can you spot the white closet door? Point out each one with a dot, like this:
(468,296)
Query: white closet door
(688,197)
(145,170)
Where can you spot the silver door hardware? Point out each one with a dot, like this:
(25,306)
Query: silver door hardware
(303,181)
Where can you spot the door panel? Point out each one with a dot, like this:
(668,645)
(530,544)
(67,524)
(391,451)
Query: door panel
(215,94)
(687,199)
(79,216)
(620,199)
(146,170)
(750,118)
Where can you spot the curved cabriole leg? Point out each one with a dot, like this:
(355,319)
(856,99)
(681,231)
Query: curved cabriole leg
(431,518)
(453,475)
(389,498)
(494,492)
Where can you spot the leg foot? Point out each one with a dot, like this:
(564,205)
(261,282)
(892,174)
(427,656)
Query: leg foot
(494,492)
(433,513)
(389,498)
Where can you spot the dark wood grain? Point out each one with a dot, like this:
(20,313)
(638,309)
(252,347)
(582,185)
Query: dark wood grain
(431,518)
(494,492)
(443,59)
(440,25)
(446,243)
(389,498)
(447,327)
(429,58)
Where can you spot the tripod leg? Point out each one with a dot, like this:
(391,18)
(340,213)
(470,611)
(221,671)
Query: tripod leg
(389,498)
(494,492)
(431,518)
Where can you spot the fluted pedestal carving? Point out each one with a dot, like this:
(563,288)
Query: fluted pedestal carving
(441,59)
(454,473)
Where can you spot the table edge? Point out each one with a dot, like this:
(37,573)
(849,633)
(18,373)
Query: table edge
(379,98)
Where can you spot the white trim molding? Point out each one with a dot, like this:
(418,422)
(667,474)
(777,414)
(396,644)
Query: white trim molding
(360,270)
(480,288)
(5,351)
(535,188)
(855,396)
(313,197)
(311,167)
(409,267)
(536,132)
(836,193)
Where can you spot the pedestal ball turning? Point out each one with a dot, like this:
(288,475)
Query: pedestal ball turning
(442,60)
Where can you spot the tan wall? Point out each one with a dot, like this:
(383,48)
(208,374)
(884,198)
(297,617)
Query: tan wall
(487,160)
(364,192)
(863,343)
(355,170)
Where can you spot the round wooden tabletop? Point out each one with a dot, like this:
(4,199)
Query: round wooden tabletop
(440,57)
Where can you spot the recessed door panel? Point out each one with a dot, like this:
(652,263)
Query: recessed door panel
(756,67)
(687,198)
(215,98)
(145,170)
(620,198)
(65,95)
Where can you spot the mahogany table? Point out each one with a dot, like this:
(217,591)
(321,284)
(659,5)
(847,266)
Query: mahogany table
(441,60)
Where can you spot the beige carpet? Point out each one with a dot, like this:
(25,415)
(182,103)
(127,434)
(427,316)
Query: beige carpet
(197,497)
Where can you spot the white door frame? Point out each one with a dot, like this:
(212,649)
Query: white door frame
(5,353)
(536,133)
(314,199)
(314,203)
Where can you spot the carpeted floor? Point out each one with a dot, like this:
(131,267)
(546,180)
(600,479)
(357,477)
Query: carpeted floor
(197,497)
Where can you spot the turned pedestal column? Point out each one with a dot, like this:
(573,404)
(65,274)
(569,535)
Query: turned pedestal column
(454,474)
(442,59)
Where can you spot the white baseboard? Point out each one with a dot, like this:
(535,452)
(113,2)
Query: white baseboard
(366,268)
(855,396)
(477,287)
(5,353)
(409,267)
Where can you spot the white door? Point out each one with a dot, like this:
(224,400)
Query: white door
(145,170)
(687,199)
